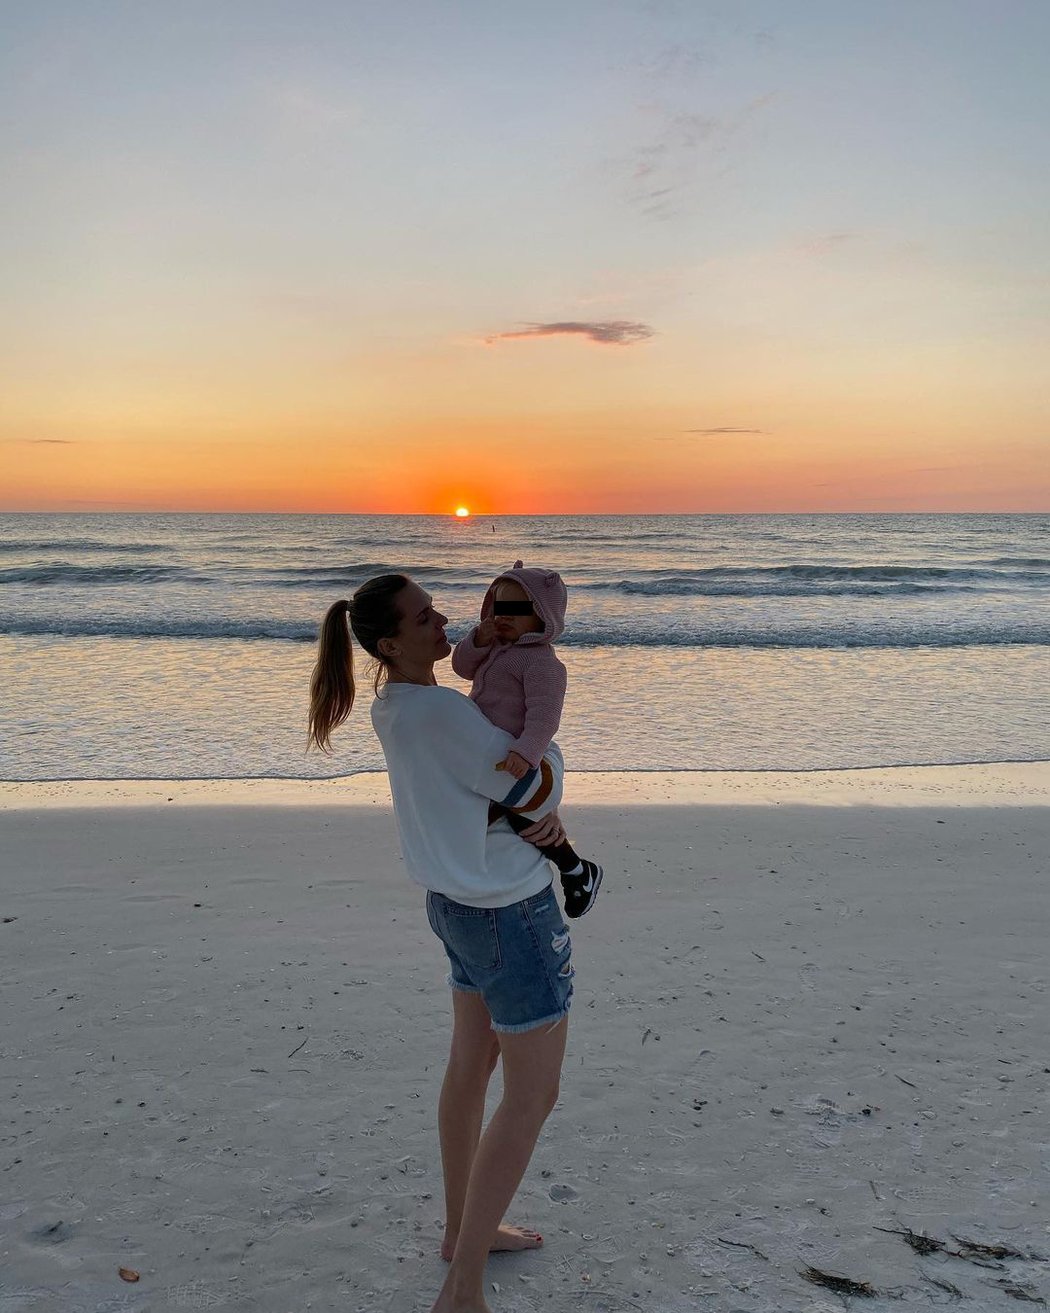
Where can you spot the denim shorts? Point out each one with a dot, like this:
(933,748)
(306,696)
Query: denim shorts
(518,958)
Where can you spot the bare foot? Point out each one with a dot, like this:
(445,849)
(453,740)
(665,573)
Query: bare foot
(450,1301)
(507,1238)
(446,1304)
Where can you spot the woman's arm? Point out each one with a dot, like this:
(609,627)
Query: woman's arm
(460,740)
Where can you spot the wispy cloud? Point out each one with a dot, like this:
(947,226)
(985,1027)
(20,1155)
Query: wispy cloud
(108,503)
(725,429)
(675,61)
(309,109)
(607,332)
(828,242)
(43,442)
(684,147)
(667,163)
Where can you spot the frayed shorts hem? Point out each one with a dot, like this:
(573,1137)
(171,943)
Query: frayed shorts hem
(551,1021)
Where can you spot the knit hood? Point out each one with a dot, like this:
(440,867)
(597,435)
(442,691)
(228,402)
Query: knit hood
(546,593)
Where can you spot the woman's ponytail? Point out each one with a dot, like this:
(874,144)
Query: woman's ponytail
(373,615)
(332,682)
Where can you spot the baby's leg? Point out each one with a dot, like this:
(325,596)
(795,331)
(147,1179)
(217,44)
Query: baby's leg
(561,854)
(580,878)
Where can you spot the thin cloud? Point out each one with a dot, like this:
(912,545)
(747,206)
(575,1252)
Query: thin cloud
(606,332)
(712,432)
(43,442)
(678,61)
(828,242)
(108,502)
(314,110)
(683,150)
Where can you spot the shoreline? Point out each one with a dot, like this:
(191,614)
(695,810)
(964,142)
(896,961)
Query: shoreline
(1001,784)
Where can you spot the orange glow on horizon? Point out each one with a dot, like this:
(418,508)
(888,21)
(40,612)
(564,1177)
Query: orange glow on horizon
(643,460)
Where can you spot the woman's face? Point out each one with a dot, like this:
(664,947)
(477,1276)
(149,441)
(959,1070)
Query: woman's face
(421,638)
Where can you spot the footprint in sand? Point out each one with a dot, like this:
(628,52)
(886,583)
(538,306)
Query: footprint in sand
(563,1194)
(53,1233)
(807,973)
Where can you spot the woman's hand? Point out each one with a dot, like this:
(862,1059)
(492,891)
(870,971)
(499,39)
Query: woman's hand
(547,830)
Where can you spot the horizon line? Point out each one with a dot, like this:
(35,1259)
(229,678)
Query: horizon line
(514,515)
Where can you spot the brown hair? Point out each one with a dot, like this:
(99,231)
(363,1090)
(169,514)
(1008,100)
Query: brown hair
(372,615)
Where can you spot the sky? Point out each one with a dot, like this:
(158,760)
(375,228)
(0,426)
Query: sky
(576,257)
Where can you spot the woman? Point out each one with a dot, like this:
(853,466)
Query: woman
(489,900)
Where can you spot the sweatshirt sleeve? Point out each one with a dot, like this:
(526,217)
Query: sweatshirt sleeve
(462,741)
(467,658)
(544,681)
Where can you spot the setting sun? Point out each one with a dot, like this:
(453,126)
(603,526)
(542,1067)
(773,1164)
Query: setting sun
(462,512)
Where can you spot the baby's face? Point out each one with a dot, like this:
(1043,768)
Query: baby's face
(509,628)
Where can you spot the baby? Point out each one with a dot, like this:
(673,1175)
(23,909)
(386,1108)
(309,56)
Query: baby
(519,684)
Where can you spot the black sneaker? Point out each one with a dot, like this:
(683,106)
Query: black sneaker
(581,889)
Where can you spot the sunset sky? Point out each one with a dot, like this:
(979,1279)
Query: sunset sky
(584,256)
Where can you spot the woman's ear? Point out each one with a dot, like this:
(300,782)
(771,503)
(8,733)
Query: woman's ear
(386,648)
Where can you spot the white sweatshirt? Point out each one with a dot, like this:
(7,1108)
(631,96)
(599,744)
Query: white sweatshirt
(441,755)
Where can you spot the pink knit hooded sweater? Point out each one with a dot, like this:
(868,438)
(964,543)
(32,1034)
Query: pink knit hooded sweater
(520,686)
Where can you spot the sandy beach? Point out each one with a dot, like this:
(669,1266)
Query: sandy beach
(811,1015)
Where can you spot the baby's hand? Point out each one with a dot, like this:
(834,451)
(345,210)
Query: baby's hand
(516,764)
(485,633)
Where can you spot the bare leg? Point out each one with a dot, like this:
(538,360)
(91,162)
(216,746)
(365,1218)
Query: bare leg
(531,1069)
(471,1062)
(475,1052)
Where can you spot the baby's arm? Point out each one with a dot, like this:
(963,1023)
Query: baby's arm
(469,653)
(544,682)
(516,764)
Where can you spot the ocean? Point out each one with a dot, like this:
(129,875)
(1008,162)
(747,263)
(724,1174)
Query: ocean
(179,646)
